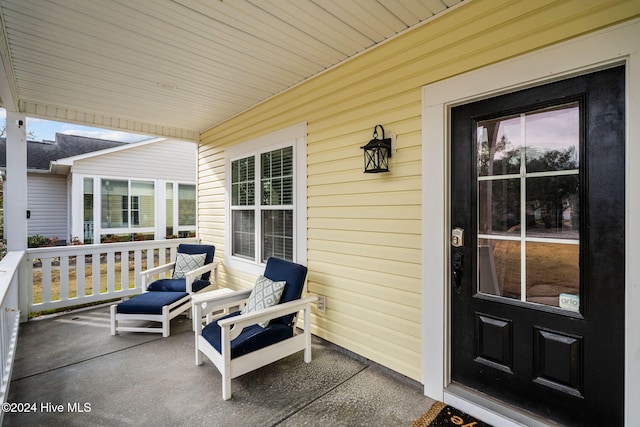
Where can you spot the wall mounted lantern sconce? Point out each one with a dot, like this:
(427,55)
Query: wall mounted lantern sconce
(377,153)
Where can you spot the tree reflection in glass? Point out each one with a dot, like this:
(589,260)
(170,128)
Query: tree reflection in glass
(528,173)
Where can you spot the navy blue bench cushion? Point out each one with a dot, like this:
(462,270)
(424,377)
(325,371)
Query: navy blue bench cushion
(251,338)
(149,302)
(177,285)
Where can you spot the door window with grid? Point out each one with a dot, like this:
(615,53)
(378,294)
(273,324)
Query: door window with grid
(528,206)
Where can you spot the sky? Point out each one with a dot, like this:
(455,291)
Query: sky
(46,130)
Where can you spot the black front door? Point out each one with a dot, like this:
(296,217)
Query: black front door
(537,253)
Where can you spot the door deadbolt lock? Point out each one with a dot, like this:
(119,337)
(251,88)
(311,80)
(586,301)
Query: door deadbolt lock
(457,237)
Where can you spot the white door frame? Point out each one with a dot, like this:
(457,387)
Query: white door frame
(600,49)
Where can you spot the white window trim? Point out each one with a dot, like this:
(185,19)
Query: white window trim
(295,136)
(161,207)
(591,52)
(176,206)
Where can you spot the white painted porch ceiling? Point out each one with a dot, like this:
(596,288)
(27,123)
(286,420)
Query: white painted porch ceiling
(177,67)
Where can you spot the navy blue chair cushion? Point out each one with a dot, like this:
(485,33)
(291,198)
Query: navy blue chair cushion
(251,338)
(190,249)
(294,274)
(149,302)
(177,285)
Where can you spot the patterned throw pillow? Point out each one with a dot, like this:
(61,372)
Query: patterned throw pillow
(185,263)
(266,293)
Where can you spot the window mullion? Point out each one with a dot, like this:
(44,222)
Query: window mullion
(257,201)
(128,207)
(523,210)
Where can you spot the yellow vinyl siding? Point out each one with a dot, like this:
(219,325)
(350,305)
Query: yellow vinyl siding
(364,231)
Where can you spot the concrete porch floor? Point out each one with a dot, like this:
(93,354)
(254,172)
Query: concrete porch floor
(146,380)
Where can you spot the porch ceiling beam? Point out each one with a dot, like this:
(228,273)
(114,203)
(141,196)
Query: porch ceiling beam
(8,90)
(58,113)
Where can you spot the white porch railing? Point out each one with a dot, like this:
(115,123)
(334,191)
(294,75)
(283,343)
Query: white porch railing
(67,276)
(9,318)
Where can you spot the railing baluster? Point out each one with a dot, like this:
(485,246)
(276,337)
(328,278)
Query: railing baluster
(124,270)
(150,258)
(81,290)
(111,270)
(46,279)
(4,342)
(137,267)
(64,277)
(164,255)
(95,273)
(29,280)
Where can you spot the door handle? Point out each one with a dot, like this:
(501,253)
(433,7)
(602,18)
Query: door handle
(457,264)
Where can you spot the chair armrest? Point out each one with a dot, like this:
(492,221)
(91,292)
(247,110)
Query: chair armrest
(190,276)
(203,304)
(237,323)
(146,275)
(220,297)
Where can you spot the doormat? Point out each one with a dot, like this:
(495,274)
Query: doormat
(442,415)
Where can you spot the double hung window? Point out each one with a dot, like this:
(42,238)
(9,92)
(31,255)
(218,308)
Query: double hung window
(262,205)
(265,202)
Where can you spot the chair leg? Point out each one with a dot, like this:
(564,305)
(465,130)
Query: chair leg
(196,325)
(226,386)
(307,335)
(307,353)
(114,321)
(198,353)
(166,322)
(225,344)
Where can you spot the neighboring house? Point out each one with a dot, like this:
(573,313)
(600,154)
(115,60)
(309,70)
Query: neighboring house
(96,190)
(412,262)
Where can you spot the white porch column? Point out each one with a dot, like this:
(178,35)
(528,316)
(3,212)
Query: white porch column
(15,196)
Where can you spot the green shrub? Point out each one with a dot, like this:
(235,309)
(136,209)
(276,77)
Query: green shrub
(38,241)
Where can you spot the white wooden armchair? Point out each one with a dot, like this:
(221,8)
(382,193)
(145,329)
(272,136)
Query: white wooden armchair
(242,342)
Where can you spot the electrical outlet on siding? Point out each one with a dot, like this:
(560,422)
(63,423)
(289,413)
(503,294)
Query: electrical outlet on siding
(322,304)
